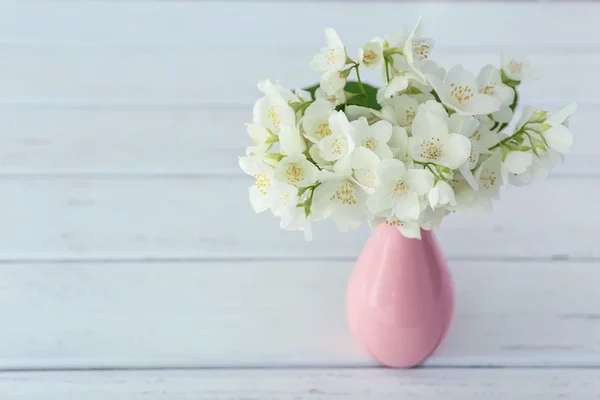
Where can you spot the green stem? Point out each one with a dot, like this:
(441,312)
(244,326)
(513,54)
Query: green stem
(531,142)
(387,70)
(360,84)
(428,165)
(308,202)
(508,139)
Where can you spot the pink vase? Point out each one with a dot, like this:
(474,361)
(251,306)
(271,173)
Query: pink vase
(400,297)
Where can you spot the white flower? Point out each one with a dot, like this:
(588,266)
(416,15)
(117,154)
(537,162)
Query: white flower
(272,111)
(401,111)
(315,121)
(342,198)
(558,137)
(562,116)
(397,84)
(417,48)
(314,153)
(335,99)
(399,189)
(431,141)
(259,134)
(261,138)
(517,67)
(370,54)
(364,166)
(296,170)
(460,92)
(354,112)
(431,219)
(332,57)
(394,39)
(526,114)
(517,162)
(374,137)
(481,139)
(276,90)
(539,169)
(303,95)
(414,50)
(332,82)
(283,199)
(489,176)
(296,219)
(408,228)
(259,192)
(290,141)
(440,195)
(399,143)
(490,83)
(338,145)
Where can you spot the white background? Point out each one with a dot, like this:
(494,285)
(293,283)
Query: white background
(131,264)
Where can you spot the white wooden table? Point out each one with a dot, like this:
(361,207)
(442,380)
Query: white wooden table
(131,265)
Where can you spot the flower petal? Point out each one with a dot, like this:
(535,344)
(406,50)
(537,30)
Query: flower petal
(504,114)
(505,94)
(382,131)
(562,115)
(379,201)
(559,138)
(419,180)
(389,170)
(407,206)
(517,162)
(489,74)
(410,229)
(331,82)
(481,104)
(456,151)
(397,84)
(429,125)
(290,141)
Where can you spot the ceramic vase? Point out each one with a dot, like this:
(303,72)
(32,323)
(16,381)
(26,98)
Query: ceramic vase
(400,297)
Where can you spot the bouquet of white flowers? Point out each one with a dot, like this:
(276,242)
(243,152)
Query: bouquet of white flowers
(427,143)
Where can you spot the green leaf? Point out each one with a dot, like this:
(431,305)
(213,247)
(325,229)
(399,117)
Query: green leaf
(354,88)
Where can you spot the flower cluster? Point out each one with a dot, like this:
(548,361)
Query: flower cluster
(425,144)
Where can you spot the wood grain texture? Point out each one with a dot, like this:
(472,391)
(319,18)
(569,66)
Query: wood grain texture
(127,240)
(162,140)
(172,77)
(240,23)
(208,217)
(350,384)
(279,314)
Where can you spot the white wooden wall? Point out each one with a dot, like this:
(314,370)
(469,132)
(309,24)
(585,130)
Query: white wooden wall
(128,249)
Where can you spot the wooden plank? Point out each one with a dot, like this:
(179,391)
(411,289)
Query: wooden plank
(326,384)
(52,76)
(279,314)
(210,217)
(151,140)
(165,23)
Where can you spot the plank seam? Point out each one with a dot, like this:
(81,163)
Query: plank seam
(555,259)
